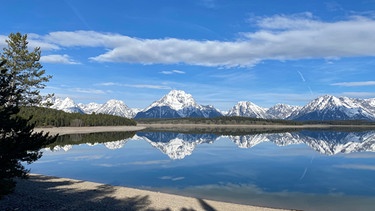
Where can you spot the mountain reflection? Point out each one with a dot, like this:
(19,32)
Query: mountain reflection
(179,145)
(176,145)
(325,142)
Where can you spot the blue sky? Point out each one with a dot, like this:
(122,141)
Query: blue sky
(221,52)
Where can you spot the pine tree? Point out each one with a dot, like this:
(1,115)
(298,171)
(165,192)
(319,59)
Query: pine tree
(18,142)
(24,65)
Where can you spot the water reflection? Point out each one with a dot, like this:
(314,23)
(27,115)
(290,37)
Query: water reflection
(325,142)
(176,145)
(277,169)
(179,145)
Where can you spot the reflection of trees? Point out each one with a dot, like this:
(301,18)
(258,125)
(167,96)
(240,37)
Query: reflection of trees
(219,130)
(91,138)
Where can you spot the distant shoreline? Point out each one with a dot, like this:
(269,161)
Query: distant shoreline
(94,129)
(81,130)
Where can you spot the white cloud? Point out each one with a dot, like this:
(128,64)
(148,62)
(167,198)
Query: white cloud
(88,91)
(279,37)
(55,58)
(356,83)
(285,22)
(172,72)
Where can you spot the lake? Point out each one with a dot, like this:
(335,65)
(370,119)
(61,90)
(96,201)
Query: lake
(307,169)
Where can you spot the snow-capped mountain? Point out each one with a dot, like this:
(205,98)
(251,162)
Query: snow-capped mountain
(111,107)
(67,105)
(333,108)
(248,109)
(116,108)
(89,108)
(282,111)
(177,104)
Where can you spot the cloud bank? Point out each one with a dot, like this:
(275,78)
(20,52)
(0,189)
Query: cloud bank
(279,37)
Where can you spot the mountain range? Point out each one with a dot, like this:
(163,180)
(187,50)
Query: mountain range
(178,104)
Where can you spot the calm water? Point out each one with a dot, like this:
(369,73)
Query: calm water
(311,170)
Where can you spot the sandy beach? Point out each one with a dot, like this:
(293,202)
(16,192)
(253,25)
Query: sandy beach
(52,193)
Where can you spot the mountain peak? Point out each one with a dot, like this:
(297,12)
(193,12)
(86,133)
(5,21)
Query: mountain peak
(329,107)
(67,105)
(177,104)
(248,109)
(282,111)
(117,108)
(175,99)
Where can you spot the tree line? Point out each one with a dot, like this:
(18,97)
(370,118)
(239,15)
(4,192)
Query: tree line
(47,117)
(224,120)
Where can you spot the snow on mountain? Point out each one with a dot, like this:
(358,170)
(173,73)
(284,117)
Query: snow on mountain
(333,108)
(111,107)
(67,105)
(177,104)
(367,103)
(136,110)
(116,144)
(116,108)
(176,100)
(248,109)
(282,111)
(59,148)
(90,108)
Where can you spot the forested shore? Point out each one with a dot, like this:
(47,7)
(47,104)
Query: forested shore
(47,117)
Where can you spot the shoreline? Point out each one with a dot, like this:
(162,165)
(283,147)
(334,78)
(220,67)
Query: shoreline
(82,130)
(41,192)
(93,129)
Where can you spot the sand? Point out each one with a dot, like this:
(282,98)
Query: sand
(52,193)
